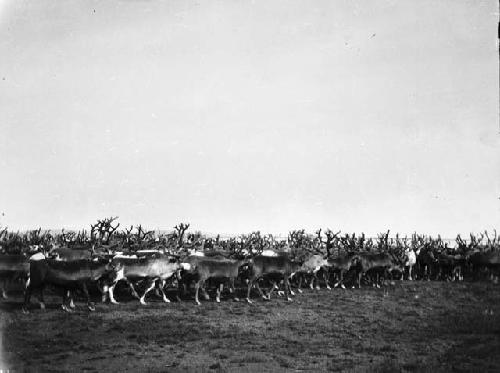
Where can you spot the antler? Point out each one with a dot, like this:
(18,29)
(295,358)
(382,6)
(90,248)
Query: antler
(181,229)
(486,233)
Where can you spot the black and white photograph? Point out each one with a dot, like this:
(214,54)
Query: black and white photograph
(249,186)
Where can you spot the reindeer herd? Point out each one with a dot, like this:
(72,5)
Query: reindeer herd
(106,259)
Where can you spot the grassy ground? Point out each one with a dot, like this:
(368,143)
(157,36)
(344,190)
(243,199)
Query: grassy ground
(414,326)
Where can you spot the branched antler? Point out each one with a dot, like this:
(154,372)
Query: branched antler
(103,230)
(180,230)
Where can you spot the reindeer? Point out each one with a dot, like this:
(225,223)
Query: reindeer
(342,264)
(410,253)
(205,268)
(311,267)
(281,267)
(371,261)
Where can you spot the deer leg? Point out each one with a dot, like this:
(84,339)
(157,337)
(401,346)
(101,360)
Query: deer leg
(65,300)
(197,289)
(290,286)
(104,293)
(256,285)
(218,292)
(299,287)
(250,284)
(132,289)
(360,274)
(203,289)
(172,281)
(4,291)
(326,278)
(271,290)
(261,293)
(232,289)
(315,278)
(41,299)
(162,291)
(90,304)
(67,297)
(181,290)
(27,297)
(186,287)
(71,302)
(157,291)
(263,296)
(149,287)
(341,280)
(111,294)
(287,288)
(311,282)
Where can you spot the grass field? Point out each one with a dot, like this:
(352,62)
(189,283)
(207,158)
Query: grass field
(412,326)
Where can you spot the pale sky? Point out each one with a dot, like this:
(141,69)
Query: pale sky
(244,115)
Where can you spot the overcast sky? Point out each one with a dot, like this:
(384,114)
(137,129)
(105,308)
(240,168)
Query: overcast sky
(244,115)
